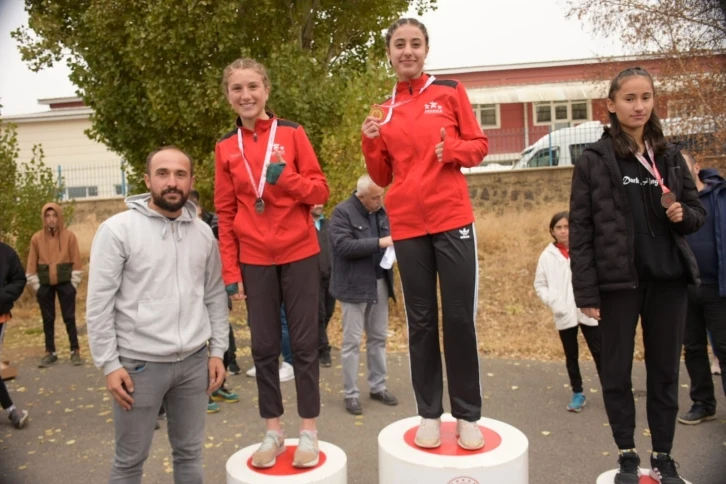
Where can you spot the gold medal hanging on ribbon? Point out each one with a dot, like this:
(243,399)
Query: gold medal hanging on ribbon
(376,112)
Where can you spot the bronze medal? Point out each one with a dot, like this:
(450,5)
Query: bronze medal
(259,206)
(667,199)
(377,113)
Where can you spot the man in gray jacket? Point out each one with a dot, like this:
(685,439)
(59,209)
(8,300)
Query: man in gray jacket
(359,236)
(157,318)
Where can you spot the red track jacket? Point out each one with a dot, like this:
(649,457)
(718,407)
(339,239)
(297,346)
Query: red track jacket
(285,232)
(427,196)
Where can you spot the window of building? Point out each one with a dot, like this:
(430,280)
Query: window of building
(81,192)
(561,114)
(488,115)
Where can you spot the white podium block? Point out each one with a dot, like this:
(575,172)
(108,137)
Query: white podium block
(609,477)
(504,457)
(332,468)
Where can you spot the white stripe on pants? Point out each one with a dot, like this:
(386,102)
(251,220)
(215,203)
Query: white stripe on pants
(373,318)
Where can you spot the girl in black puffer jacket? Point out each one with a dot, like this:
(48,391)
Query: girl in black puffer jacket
(632,202)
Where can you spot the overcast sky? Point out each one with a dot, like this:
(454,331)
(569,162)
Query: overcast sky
(462,33)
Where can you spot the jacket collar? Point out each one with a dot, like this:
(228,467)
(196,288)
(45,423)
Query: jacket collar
(359,206)
(413,86)
(261,125)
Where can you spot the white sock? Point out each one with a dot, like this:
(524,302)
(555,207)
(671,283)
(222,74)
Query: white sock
(10,409)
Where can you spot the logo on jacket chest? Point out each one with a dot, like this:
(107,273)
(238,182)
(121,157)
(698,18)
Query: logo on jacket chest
(278,147)
(433,108)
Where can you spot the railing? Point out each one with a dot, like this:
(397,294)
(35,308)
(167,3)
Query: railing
(98,180)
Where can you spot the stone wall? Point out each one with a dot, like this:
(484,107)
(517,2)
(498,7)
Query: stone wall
(514,190)
(88,215)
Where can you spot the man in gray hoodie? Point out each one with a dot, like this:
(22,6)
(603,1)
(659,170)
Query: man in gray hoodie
(157,318)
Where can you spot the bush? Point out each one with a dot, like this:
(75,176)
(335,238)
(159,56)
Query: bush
(25,189)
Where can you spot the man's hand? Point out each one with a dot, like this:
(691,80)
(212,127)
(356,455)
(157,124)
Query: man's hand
(384,242)
(216,374)
(675,213)
(120,385)
(593,313)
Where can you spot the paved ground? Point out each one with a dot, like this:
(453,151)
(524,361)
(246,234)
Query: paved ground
(69,437)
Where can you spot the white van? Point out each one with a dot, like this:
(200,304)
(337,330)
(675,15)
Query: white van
(560,148)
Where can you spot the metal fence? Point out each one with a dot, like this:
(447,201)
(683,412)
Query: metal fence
(98,180)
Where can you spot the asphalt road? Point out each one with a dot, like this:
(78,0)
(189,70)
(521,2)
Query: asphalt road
(69,437)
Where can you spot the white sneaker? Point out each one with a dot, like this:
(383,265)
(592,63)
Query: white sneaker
(286,372)
(252,372)
(715,366)
(469,433)
(428,434)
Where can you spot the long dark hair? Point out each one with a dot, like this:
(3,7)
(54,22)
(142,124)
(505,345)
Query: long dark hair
(623,143)
(556,218)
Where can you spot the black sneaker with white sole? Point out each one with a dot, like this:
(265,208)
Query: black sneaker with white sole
(629,472)
(664,469)
(697,414)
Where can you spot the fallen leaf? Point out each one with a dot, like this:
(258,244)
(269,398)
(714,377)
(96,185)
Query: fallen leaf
(515,387)
(208,445)
(606,453)
(490,374)
(70,442)
(358,423)
(546,432)
(593,390)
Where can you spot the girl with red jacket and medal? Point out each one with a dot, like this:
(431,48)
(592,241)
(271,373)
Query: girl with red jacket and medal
(267,179)
(418,141)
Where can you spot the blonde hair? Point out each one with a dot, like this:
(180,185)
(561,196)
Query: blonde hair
(244,63)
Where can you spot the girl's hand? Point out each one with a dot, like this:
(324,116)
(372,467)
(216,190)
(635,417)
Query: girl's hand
(371,127)
(593,313)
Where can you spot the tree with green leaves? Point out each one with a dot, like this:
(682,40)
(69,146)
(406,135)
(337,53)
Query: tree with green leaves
(151,71)
(26,188)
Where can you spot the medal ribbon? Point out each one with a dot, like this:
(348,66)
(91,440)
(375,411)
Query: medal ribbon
(652,169)
(395,105)
(268,154)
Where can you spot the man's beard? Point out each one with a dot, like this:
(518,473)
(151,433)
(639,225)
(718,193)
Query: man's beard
(163,204)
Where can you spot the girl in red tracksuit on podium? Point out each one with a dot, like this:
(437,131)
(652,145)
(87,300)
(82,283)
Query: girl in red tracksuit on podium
(267,179)
(419,140)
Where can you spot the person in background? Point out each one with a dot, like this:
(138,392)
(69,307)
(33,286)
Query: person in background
(553,284)
(54,267)
(359,236)
(12,283)
(223,394)
(707,302)
(326,301)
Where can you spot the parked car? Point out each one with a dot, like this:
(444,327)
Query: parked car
(560,148)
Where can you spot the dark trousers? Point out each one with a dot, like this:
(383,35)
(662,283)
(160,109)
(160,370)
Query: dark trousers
(229,355)
(67,298)
(5,400)
(450,256)
(706,313)
(572,351)
(661,307)
(296,284)
(326,306)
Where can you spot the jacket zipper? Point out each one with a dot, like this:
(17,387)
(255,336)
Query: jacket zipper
(178,290)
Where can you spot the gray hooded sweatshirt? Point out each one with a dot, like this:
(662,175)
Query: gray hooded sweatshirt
(155,290)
